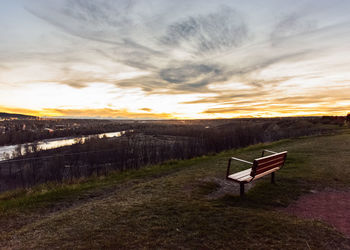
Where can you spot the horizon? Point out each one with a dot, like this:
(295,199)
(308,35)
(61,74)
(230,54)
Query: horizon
(173,119)
(160,60)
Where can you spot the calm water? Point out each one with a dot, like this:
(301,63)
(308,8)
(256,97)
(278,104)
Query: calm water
(54,143)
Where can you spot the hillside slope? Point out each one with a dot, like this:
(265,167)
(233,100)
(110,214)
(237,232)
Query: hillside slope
(184,204)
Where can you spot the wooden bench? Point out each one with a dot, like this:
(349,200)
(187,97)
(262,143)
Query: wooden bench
(259,167)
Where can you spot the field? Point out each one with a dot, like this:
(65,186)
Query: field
(184,204)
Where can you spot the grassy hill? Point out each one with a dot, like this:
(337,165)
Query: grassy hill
(183,204)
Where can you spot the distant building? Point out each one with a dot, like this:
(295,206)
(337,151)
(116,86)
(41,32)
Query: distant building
(50,130)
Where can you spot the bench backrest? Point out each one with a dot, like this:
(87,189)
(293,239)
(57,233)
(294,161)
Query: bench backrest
(267,163)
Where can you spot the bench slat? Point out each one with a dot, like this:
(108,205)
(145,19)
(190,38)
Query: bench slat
(246,178)
(271,161)
(268,158)
(265,173)
(240,174)
(266,168)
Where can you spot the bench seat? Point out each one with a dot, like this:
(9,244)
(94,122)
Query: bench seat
(244,176)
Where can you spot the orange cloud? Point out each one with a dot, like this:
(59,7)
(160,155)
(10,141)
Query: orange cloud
(146,109)
(92,113)
(22,111)
(229,112)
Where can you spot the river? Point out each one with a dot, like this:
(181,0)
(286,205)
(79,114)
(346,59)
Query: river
(8,151)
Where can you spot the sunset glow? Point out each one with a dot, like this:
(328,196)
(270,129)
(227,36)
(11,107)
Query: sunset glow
(175,59)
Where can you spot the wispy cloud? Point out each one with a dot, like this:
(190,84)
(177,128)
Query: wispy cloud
(219,30)
(292,25)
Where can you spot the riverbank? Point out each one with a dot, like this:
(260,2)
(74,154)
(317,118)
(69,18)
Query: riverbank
(171,206)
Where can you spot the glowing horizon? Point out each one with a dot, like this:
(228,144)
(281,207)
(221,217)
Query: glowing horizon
(165,60)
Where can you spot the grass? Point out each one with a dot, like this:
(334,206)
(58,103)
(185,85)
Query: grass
(167,206)
(45,195)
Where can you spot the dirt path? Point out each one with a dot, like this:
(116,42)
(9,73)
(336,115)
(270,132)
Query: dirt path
(224,187)
(330,206)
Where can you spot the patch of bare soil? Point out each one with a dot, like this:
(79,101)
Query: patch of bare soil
(330,206)
(225,187)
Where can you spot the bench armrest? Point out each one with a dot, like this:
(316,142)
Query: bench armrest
(269,151)
(237,159)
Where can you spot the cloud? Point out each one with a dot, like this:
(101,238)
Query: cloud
(101,12)
(319,102)
(280,110)
(304,99)
(211,32)
(94,20)
(273,53)
(112,24)
(292,25)
(146,109)
(229,98)
(116,25)
(92,113)
(108,113)
(194,75)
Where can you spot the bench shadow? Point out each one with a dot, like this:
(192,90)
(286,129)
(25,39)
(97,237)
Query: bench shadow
(261,194)
(215,188)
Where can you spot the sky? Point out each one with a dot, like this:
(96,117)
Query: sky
(163,59)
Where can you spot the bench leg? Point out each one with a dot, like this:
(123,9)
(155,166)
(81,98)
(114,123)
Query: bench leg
(241,190)
(273,177)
